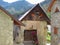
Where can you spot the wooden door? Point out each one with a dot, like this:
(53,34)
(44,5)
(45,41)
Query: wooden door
(30,35)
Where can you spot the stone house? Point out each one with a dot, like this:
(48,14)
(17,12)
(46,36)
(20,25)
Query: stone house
(31,27)
(54,8)
(6,27)
(34,22)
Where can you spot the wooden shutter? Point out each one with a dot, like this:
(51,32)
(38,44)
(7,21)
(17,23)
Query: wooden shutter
(55,30)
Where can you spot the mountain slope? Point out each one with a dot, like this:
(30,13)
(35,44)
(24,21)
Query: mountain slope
(18,7)
(21,7)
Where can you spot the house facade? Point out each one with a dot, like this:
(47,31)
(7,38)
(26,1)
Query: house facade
(34,22)
(55,22)
(55,19)
(6,27)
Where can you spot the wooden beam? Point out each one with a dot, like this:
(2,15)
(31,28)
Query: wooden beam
(51,5)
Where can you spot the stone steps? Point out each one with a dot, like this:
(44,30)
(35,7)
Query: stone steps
(25,43)
(28,42)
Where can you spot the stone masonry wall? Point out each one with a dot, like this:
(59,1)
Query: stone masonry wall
(40,26)
(6,29)
(55,22)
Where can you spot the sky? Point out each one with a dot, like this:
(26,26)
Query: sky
(30,1)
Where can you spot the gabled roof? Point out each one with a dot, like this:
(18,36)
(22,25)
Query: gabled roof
(26,13)
(1,8)
(31,10)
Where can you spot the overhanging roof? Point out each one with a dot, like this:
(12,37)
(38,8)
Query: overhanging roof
(31,10)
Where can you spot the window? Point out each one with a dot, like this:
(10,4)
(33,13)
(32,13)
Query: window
(37,13)
(55,30)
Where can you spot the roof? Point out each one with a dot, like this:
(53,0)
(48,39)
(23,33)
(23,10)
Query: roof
(26,13)
(9,14)
(31,10)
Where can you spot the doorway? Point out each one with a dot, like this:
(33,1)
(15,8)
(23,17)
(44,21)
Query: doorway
(30,37)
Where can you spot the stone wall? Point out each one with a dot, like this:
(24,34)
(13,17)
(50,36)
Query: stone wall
(55,22)
(6,29)
(16,31)
(40,26)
